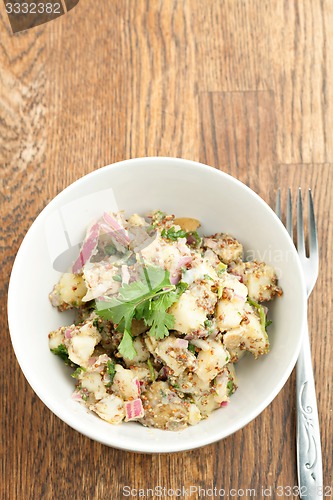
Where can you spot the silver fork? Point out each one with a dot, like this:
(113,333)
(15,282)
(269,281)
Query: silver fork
(309,460)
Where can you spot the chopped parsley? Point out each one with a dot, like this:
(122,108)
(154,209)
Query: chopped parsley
(172,234)
(220,268)
(207,277)
(261,312)
(78,372)
(111,371)
(97,324)
(230,387)
(117,277)
(110,250)
(151,370)
(191,348)
(62,352)
(208,323)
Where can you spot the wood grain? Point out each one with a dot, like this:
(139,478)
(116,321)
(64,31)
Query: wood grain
(246,86)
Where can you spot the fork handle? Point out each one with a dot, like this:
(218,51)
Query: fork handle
(309,459)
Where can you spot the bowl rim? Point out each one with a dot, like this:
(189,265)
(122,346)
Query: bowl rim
(75,423)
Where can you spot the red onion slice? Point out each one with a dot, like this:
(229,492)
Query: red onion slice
(182,343)
(88,248)
(134,409)
(76,396)
(115,229)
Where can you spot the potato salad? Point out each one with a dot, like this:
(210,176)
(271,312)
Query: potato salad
(162,315)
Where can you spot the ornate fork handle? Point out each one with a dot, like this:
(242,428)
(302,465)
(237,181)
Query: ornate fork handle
(309,458)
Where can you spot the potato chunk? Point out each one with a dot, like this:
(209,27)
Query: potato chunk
(230,306)
(260,279)
(249,336)
(174,353)
(81,341)
(125,384)
(211,361)
(110,408)
(225,246)
(164,409)
(190,312)
(68,292)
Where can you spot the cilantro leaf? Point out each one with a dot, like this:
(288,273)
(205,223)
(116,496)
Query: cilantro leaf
(126,347)
(147,299)
(160,322)
(118,311)
(121,309)
(157,316)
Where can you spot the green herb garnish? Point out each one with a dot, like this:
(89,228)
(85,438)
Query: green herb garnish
(62,352)
(110,250)
(78,372)
(151,370)
(261,312)
(98,325)
(117,277)
(220,268)
(157,217)
(172,234)
(207,277)
(126,346)
(230,387)
(191,348)
(111,371)
(147,299)
(208,323)
(196,238)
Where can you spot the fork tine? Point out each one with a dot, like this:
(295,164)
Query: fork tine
(289,218)
(313,238)
(278,204)
(300,225)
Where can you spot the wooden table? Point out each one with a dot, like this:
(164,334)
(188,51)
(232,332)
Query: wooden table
(243,85)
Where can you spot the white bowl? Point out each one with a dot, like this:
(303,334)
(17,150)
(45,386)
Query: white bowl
(186,188)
